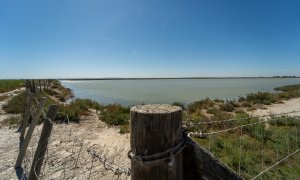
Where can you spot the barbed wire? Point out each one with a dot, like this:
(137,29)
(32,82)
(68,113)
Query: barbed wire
(240,127)
(204,134)
(59,159)
(274,165)
(240,119)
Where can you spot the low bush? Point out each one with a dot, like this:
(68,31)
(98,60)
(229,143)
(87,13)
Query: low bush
(17,104)
(77,108)
(180,104)
(212,111)
(228,106)
(202,104)
(9,85)
(124,129)
(261,98)
(115,114)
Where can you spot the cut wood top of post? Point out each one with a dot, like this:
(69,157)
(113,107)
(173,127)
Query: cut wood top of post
(155,109)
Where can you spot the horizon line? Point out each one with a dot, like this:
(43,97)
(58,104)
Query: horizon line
(149,78)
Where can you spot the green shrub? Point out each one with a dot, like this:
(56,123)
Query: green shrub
(218,100)
(228,106)
(212,111)
(124,129)
(115,114)
(246,104)
(77,108)
(202,104)
(51,92)
(9,85)
(180,104)
(261,98)
(17,104)
(288,88)
(285,121)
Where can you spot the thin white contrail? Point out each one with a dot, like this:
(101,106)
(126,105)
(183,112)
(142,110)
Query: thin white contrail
(109,39)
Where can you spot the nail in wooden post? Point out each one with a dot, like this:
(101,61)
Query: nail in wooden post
(29,133)
(43,144)
(26,118)
(156,128)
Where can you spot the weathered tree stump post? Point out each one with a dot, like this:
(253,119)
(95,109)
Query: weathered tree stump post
(43,144)
(156,142)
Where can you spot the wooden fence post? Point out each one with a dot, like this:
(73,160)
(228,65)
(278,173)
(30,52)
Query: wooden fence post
(30,86)
(43,144)
(33,87)
(27,87)
(26,118)
(40,85)
(29,133)
(155,130)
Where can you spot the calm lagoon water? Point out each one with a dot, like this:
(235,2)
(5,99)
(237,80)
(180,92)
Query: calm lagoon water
(130,92)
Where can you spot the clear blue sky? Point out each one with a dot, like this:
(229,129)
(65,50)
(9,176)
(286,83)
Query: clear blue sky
(149,38)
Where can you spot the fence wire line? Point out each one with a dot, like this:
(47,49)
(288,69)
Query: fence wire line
(274,165)
(204,134)
(93,156)
(241,119)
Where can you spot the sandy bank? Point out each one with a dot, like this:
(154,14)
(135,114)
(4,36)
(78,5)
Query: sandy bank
(285,107)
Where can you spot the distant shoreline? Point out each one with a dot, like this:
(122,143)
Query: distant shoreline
(158,78)
(91,79)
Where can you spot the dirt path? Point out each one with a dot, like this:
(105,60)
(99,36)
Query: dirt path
(76,151)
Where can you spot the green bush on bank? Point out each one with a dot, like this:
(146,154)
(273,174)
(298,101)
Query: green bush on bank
(261,98)
(9,85)
(17,104)
(77,108)
(115,114)
(202,104)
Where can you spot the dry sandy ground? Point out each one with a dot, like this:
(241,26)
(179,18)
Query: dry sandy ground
(89,150)
(286,107)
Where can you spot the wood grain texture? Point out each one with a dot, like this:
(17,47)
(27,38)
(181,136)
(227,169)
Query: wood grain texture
(156,128)
(43,144)
(200,164)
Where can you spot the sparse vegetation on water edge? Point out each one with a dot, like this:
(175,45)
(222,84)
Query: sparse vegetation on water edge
(59,91)
(77,108)
(250,102)
(9,85)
